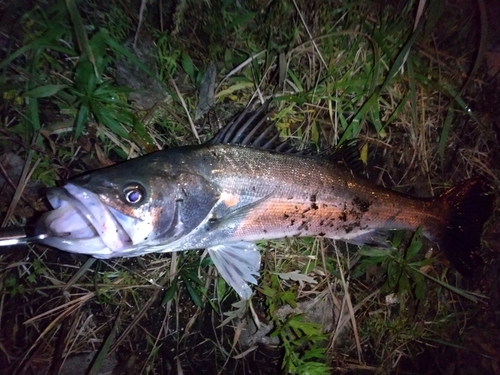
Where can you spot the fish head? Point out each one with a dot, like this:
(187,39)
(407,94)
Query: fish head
(114,211)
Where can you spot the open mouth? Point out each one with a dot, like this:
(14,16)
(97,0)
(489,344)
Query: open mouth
(82,223)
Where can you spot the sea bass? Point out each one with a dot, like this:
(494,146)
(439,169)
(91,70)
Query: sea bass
(225,194)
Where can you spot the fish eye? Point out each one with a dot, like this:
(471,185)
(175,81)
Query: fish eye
(134,194)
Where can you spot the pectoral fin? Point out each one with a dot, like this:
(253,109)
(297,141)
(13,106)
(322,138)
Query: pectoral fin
(237,262)
(225,215)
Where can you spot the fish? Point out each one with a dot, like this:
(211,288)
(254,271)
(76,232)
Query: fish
(242,187)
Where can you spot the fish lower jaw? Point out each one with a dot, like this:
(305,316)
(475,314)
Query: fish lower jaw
(81,223)
(86,246)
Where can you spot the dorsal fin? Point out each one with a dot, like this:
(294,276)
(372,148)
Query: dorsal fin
(254,128)
(348,154)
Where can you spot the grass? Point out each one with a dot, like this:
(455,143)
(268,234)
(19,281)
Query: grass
(385,76)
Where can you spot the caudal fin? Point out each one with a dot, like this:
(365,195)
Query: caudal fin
(469,205)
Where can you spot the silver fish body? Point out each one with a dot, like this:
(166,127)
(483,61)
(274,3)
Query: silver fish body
(224,197)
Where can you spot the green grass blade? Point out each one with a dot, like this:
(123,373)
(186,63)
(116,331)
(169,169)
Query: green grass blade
(80,33)
(188,66)
(103,353)
(401,57)
(44,91)
(471,297)
(105,117)
(119,49)
(195,296)
(33,114)
(81,119)
(413,89)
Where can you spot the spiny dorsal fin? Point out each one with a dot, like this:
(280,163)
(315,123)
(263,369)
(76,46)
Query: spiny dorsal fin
(349,155)
(254,128)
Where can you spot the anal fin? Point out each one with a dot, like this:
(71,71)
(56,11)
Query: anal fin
(376,238)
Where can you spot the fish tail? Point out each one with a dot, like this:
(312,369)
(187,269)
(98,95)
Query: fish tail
(469,206)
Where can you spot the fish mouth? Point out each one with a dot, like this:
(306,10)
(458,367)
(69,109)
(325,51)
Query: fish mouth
(81,223)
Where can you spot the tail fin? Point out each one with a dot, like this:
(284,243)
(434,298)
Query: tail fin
(469,206)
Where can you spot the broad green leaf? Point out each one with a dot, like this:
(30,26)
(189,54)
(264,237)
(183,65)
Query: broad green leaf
(193,276)
(421,263)
(80,33)
(124,116)
(404,284)
(419,281)
(85,78)
(98,48)
(44,91)
(398,237)
(221,288)
(308,328)
(207,261)
(188,66)
(415,245)
(239,19)
(289,298)
(228,58)
(193,293)
(33,114)
(105,117)
(374,252)
(315,352)
(392,275)
(268,291)
(170,292)
(374,260)
(105,91)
